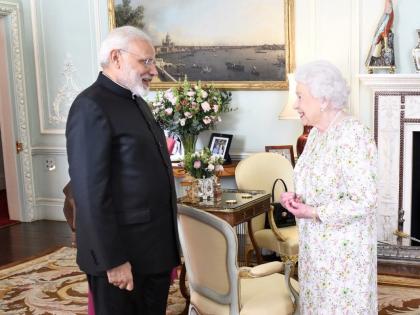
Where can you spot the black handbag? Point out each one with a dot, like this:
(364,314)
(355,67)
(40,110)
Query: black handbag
(282,217)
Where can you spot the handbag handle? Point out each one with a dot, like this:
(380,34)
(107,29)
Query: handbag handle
(274,187)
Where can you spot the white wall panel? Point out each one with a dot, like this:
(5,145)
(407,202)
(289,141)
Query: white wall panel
(65,35)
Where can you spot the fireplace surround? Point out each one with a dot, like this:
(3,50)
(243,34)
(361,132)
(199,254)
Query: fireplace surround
(396,118)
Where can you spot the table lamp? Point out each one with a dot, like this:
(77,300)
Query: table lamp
(289,112)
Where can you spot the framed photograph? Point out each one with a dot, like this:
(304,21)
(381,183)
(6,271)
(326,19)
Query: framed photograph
(235,44)
(219,144)
(285,150)
(174,145)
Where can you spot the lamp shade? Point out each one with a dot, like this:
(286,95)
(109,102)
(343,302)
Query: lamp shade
(288,112)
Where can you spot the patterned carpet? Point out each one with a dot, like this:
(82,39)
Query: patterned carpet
(53,285)
(398,295)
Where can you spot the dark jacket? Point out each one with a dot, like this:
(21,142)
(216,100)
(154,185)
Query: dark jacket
(122,181)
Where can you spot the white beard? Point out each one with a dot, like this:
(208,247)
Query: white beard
(133,82)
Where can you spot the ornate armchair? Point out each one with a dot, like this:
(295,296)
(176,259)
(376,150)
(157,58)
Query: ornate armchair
(259,171)
(217,285)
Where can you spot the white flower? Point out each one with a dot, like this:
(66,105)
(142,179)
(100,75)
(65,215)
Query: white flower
(219,168)
(206,106)
(170,96)
(216,108)
(169,111)
(204,94)
(182,121)
(191,93)
(188,114)
(207,120)
(210,167)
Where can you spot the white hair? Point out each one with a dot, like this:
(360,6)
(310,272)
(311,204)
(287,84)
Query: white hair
(325,82)
(120,38)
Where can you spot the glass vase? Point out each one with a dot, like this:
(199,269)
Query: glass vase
(416,53)
(188,142)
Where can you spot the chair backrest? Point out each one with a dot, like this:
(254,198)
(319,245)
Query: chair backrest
(210,248)
(259,171)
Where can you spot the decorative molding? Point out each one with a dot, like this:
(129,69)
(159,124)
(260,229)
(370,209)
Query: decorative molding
(18,85)
(389,82)
(58,112)
(58,109)
(44,150)
(49,201)
(354,58)
(50,209)
(412,107)
(98,25)
(391,134)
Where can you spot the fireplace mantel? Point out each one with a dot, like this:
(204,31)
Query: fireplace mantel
(388,82)
(396,111)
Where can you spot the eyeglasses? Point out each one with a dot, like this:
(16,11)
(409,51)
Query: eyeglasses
(148,62)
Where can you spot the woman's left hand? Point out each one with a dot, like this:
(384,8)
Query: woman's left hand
(299,209)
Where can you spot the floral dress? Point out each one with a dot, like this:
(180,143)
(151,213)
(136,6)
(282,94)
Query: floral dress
(336,174)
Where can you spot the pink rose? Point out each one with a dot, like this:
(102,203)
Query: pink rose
(216,108)
(169,111)
(206,106)
(197,164)
(207,120)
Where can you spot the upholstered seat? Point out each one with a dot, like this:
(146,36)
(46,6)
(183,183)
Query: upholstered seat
(258,172)
(217,285)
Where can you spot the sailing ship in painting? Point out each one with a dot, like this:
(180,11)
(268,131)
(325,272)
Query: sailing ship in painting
(218,63)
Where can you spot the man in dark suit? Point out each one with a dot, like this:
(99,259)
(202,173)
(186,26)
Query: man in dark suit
(122,181)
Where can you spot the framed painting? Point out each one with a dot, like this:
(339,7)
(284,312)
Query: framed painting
(219,144)
(235,44)
(285,150)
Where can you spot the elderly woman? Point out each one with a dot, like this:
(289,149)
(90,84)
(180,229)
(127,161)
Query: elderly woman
(335,199)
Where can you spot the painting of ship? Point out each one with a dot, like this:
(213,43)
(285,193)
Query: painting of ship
(254,70)
(234,66)
(192,49)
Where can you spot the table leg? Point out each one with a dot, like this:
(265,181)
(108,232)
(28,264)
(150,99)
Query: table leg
(183,289)
(254,243)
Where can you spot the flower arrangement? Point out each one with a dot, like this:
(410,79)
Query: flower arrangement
(188,109)
(203,164)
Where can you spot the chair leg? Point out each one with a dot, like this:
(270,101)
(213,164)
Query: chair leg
(293,259)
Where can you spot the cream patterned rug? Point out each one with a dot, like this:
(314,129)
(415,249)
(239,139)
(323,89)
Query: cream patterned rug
(398,295)
(54,285)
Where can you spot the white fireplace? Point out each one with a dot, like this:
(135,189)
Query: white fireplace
(396,111)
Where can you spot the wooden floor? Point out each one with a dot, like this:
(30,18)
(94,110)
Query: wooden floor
(25,240)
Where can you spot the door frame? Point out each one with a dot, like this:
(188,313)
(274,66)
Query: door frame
(14,122)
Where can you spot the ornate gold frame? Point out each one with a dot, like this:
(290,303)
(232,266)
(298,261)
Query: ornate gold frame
(289,24)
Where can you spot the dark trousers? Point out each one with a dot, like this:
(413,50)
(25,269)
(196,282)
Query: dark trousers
(149,296)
